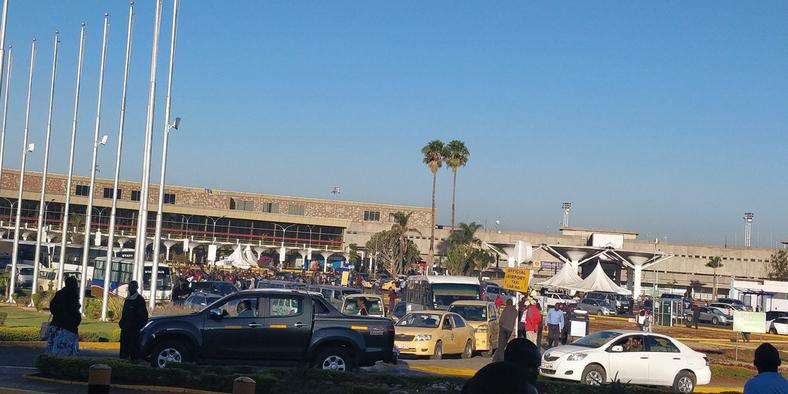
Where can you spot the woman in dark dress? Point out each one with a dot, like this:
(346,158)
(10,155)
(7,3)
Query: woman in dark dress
(63,335)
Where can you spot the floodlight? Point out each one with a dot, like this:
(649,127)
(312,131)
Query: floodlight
(31,147)
(104,140)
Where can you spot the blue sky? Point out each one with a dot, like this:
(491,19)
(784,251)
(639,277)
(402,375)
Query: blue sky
(667,117)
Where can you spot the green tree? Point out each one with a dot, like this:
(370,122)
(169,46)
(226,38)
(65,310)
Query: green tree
(458,259)
(389,252)
(465,234)
(778,265)
(433,158)
(77,222)
(456,156)
(714,263)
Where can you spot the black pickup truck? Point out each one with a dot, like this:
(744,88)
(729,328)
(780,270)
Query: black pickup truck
(270,325)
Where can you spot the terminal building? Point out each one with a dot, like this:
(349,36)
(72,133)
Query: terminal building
(293,230)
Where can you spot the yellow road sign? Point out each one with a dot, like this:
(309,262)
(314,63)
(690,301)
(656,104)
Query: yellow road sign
(345,278)
(516,279)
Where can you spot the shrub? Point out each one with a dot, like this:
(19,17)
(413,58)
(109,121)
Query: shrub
(3,316)
(19,334)
(41,300)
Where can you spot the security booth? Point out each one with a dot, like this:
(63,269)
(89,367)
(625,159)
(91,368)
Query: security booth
(669,312)
(578,324)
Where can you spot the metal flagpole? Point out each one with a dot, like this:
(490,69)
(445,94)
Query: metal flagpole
(96,143)
(26,148)
(167,126)
(5,105)
(7,76)
(64,229)
(121,127)
(41,206)
(142,217)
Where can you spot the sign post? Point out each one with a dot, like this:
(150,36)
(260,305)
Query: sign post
(747,323)
(517,279)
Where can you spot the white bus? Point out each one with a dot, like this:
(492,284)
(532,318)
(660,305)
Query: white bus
(439,291)
(120,276)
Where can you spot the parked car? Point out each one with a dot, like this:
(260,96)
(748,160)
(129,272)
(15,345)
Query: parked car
(270,325)
(492,291)
(483,317)
(24,278)
(214,287)
(620,302)
(628,356)
(711,315)
(400,309)
(374,303)
(596,306)
(738,304)
(555,298)
(772,315)
(779,326)
(199,300)
(726,306)
(433,334)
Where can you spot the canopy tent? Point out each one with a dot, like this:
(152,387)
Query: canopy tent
(250,257)
(564,279)
(237,260)
(598,281)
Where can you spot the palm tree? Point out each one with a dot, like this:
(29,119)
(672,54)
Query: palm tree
(433,158)
(465,234)
(456,156)
(714,263)
(401,228)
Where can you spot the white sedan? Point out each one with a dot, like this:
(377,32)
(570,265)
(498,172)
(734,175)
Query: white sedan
(779,326)
(628,357)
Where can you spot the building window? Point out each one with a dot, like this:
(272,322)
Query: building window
(169,198)
(295,209)
(241,205)
(271,207)
(392,219)
(108,193)
(82,190)
(371,216)
(135,195)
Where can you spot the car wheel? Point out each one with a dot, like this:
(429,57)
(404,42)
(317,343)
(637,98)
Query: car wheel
(468,352)
(169,352)
(593,375)
(715,321)
(684,382)
(334,358)
(438,353)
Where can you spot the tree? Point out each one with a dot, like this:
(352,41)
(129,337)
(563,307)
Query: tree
(77,222)
(456,156)
(390,253)
(714,263)
(433,158)
(466,234)
(778,265)
(458,259)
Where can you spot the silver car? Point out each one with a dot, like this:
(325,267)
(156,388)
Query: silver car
(596,307)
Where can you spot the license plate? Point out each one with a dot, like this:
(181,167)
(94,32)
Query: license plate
(547,366)
(401,346)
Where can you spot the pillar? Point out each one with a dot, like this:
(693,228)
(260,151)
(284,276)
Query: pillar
(259,250)
(325,255)
(637,280)
(167,246)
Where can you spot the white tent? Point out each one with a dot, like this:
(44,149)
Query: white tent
(236,260)
(598,281)
(565,278)
(250,257)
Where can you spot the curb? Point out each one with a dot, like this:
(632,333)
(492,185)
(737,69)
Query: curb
(165,389)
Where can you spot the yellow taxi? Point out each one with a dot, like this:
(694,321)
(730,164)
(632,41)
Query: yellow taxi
(433,334)
(483,317)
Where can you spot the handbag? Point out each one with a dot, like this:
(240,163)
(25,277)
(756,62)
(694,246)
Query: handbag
(43,333)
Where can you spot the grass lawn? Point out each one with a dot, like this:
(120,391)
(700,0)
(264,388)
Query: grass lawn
(27,317)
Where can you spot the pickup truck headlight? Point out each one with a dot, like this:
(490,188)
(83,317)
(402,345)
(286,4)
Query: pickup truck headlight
(422,338)
(577,356)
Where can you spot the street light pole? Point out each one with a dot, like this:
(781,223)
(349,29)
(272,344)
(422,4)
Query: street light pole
(41,206)
(7,76)
(121,127)
(96,143)
(142,225)
(26,148)
(64,229)
(168,125)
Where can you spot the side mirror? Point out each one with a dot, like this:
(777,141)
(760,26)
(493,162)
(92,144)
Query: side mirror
(617,349)
(215,314)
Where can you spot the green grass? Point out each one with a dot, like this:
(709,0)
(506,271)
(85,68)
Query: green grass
(88,329)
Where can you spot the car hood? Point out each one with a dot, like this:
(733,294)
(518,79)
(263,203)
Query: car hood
(414,330)
(564,350)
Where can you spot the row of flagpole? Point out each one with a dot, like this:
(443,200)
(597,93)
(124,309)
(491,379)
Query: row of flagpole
(139,258)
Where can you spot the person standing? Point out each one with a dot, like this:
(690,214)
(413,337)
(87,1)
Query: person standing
(505,328)
(532,319)
(696,316)
(63,333)
(392,299)
(135,315)
(555,323)
(768,380)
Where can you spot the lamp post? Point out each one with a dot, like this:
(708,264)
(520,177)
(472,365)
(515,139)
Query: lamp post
(7,76)
(64,237)
(96,144)
(168,125)
(213,232)
(26,148)
(284,231)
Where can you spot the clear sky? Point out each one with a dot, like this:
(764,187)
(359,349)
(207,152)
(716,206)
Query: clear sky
(667,117)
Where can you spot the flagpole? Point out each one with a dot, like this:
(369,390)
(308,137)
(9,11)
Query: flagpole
(121,127)
(64,229)
(26,148)
(3,23)
(5,105)
(142,217)
(96,143)
(167,126)
(41,203)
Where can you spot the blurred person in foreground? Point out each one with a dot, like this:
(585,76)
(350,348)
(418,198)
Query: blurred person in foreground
(506,324)
(524,354)
(63,332)
(499,377)
(768,380)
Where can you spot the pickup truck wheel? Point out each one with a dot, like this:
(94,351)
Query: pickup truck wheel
(468,352)
(170,351)
(334,358)
(438,353)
